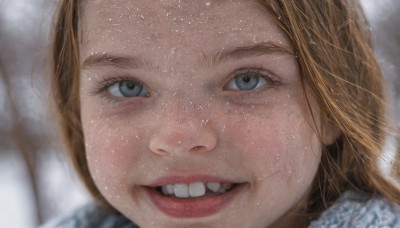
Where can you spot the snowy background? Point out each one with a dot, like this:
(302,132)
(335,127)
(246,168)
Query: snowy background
(36,180)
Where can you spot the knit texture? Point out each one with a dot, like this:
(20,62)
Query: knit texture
(350,210)
(92,216)
(355,210)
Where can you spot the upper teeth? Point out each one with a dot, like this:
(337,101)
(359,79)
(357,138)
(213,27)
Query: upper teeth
(195,189)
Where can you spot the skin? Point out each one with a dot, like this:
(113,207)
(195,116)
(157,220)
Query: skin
(192,122)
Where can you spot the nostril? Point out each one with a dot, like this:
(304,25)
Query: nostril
(198,148)
(160,151)
(180,139)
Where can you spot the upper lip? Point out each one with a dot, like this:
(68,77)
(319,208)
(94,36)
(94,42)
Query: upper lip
(187,179)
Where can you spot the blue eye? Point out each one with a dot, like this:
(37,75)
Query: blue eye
(247,81)
(128,88)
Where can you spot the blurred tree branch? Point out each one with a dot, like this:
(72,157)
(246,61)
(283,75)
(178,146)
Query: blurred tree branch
(23,143)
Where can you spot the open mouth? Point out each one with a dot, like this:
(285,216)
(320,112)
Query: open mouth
(195,189)
(185,199)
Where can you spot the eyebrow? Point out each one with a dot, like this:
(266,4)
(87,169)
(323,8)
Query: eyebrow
(246,51)
(240,52)
(104,59)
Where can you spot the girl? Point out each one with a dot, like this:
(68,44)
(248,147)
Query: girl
(223,113)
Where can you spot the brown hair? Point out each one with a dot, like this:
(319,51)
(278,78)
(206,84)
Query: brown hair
(332,43)
(65,88)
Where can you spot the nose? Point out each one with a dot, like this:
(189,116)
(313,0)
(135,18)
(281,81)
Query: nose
(181,132)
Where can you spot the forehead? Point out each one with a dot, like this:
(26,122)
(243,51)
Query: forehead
(142,26)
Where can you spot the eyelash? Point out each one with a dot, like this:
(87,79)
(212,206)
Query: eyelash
(266,75)
(106,84)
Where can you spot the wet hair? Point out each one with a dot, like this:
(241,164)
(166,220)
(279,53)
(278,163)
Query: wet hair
(331,40)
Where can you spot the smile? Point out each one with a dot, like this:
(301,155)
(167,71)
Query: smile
(191,197)
(196,189)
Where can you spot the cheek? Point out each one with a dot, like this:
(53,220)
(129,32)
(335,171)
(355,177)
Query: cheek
(280,144)
(108,157)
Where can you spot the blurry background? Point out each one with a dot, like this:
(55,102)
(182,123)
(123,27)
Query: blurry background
(36,180)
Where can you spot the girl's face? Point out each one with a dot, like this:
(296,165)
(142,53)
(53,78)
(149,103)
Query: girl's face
(194,114)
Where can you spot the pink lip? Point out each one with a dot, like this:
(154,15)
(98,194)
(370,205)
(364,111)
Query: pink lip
(191,207)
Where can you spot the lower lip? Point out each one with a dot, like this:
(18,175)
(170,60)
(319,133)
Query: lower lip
(193,207)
